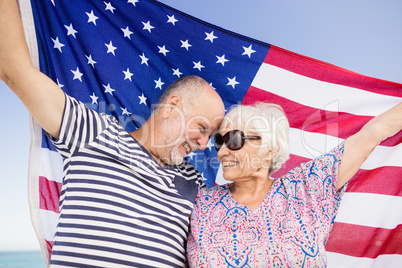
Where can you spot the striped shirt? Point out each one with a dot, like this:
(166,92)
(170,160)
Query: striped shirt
(118,206)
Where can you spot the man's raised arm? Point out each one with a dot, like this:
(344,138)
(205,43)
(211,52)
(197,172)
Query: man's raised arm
(42,97)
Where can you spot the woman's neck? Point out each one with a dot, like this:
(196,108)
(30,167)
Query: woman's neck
(250,193)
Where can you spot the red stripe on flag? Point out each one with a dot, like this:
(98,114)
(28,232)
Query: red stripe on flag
(306,118)
(293,162)
(49,246)
(365,181)
(323,71)
(49,194)
(363,241)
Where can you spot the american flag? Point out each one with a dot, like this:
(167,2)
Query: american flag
(119,56)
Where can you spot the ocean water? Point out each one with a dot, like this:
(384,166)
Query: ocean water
(21,259)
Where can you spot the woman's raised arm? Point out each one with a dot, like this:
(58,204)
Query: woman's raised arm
(360,145)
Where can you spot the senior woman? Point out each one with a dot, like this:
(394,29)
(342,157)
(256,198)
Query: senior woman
(258,221)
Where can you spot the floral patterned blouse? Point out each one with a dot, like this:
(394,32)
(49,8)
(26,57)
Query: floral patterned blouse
(288,229)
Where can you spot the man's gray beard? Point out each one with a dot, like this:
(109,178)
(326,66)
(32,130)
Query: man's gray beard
(175,157)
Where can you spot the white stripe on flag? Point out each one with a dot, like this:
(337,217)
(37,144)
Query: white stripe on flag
(51,165)
(49,220)
(310,145)
(384,156)
(336,260)
(319,94)
(372,210)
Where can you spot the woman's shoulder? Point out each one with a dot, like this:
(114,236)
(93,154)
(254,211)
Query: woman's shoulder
(322,162)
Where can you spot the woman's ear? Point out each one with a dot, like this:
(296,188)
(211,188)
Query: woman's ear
(274,152)
(271,154)
(172,103)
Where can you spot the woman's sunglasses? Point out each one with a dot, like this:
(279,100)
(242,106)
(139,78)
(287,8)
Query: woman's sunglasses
(234,140)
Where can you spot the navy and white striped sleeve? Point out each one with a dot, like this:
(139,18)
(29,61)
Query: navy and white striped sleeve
(79,127)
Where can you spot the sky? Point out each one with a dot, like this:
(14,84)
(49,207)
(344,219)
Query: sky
(364,36)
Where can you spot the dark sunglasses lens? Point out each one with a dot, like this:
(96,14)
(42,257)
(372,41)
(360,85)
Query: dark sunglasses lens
(235,140)
(218,141)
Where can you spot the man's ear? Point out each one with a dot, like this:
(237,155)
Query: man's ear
(173,102)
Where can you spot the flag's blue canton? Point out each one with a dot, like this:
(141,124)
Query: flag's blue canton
(119,56)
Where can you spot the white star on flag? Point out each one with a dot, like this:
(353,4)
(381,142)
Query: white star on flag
(232,82)
(77,74)
(163,50)
(210,144)
(132,1)
(127,32)
(125,111)
(110,48)
(144,60)
(185,44)
(172,19)
(159,83)
(148,26)
(91,61)
(143,99)
(177,72)
(58,83)
(91,17)
(198,65)
(94,98)
(191,155)
(127,74)
(70,30)
(57,44)
(222,60)
(108,89)
(210,36)
(109,7)
(248,51)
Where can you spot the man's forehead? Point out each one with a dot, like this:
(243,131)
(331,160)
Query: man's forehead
(205,113)
(207,122)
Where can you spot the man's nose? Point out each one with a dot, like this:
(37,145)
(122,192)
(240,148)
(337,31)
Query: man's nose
(203,142)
